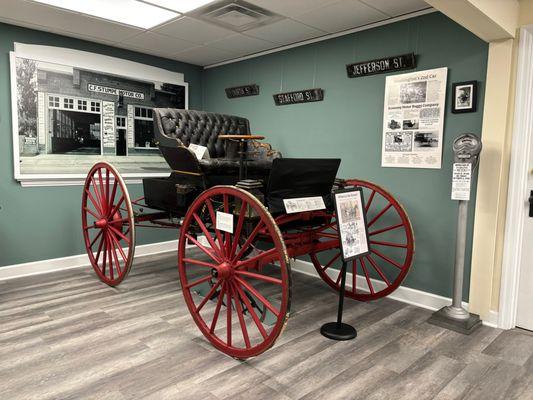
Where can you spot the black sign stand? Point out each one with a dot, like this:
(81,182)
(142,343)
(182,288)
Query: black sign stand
(339,330)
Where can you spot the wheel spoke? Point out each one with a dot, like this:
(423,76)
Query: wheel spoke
(367,277)
(208,235)
(378,270)
(95,203)
(388,228)
(104,264)
(217,308)
(95,239)
(214,221)
(249,240)
(228,314)
(237,234)
(257,258)
(119,247)
(203,248)
(227,236)
(250,308)
(389,244)
(120,234)
(388,259)
(260,277)
(98,194)
(378,216)
(199,262)
(110,257)
(102,189)
(198,282)
(367,205)
(335,257)
(244,329)
(208,296)
(113,193)
(261,298)
(92,213)
(99,249)
(115,257)
(117,206)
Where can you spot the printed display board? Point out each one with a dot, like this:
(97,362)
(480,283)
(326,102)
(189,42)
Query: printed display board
(351,222)
(462,176)
(413,119)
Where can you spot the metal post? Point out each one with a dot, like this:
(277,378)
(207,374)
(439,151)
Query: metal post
(341,295)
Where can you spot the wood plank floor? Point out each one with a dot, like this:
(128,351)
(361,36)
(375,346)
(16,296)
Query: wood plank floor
(68,336)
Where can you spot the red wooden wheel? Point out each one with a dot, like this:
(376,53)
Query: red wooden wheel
(391,243)
(108,223)
(237,285)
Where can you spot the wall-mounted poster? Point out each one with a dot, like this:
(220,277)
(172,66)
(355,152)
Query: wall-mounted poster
(351,221)
(73,108)
(413,119)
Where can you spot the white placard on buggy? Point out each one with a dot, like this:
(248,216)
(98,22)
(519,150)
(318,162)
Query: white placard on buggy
(199,151)
(302,204)
(224,222)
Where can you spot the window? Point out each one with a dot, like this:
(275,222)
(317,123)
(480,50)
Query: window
(68,103)
(53,101)
(95,106)
(121,122)
(143,113)
(82,105)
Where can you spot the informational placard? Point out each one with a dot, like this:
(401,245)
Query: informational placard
(413,119)
(199,151)
(242,91)
(302,204)
(300,96)
(381,65)
(224,222)
(461,179)
(351,221)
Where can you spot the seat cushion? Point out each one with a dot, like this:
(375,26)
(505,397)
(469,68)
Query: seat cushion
(224,166)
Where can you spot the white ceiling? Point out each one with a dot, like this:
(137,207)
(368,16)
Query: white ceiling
(191,40)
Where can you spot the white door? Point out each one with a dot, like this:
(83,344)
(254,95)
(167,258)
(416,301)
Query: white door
(524,315)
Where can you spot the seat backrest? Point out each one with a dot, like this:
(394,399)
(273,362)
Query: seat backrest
(198,127)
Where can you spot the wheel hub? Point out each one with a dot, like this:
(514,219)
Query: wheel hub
(101,223)
(222,271)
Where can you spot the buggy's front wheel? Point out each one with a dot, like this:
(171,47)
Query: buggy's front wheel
(234,271)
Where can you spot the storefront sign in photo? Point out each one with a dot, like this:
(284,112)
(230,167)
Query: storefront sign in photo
(413,119)
(381,65)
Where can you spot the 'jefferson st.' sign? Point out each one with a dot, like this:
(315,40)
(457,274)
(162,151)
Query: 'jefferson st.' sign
(91,87)
(381,65)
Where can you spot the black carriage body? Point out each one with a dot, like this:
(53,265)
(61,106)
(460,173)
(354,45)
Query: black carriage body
(281,178)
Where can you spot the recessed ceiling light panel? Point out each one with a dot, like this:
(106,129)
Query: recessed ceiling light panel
(129,12)
(181,6)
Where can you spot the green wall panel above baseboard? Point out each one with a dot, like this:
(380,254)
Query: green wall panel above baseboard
(348,123)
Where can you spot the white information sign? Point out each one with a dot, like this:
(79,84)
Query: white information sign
(302,204)
(224,222)
(351,222)
(413,119)
(461,179)
(199,151)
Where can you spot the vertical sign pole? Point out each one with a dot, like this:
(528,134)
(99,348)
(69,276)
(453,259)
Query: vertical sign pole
(341,295)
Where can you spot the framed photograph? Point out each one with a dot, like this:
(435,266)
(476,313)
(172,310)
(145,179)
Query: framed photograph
(464,97)
(351,222)
(73,108)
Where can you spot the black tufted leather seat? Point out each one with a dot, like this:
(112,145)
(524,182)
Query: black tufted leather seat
(175,129)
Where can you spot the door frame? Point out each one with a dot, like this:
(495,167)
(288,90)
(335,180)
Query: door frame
(517,204)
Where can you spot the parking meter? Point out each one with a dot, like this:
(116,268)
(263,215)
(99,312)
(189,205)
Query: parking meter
(466,150)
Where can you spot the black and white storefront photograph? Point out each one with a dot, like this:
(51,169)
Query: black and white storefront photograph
(69,116)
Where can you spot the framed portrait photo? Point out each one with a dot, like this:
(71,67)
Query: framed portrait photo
(351,222)
(464,97)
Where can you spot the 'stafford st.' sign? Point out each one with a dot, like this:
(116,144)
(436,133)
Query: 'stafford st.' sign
(91,87)
(300,96)
(381,65)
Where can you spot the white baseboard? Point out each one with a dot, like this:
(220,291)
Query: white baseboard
(77,261)
(404,294)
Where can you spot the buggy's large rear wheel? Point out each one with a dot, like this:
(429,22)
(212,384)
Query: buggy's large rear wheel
(234,271)
(108,223)
(391,243)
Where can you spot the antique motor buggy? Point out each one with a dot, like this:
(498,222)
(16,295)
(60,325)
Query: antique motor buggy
(236,237)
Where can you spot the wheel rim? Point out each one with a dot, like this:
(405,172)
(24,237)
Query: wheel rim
(108,223)
(391,243)
(226,273)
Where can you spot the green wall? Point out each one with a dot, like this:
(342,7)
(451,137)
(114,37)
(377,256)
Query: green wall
(44,222)
(348,123)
